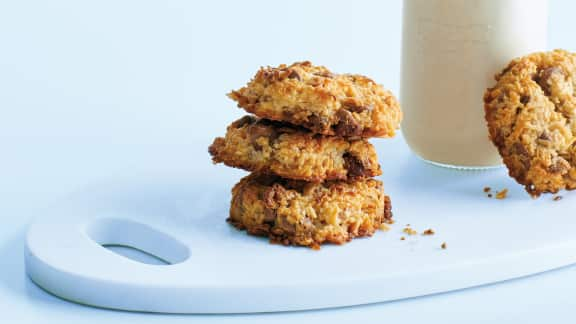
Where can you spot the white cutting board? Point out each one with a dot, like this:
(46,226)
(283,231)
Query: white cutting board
(217,269)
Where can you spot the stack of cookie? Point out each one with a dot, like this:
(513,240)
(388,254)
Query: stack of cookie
(312,165)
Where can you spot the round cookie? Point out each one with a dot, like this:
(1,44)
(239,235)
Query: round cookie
(531,116)
(309,214)
(310,96)
(291,152)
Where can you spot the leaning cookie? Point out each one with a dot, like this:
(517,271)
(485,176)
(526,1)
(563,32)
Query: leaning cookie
(265,146)
(313,97)
(309,214)
(531,116)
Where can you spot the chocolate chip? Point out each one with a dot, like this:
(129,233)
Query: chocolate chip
(524,155)
(544,136)
(243,121)
(499,137)
(520,149)
(559,166)
(354,166)
(347,126)
(353,106)
(270,75)
(269,215)
(543,78)
(272,196)
(294,75)
(387,208)
(524,99)
(316,123)
(257,131)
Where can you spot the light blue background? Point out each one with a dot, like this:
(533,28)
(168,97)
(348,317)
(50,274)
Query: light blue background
(99,89)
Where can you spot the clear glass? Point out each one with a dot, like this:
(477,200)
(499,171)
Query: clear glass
(451,50)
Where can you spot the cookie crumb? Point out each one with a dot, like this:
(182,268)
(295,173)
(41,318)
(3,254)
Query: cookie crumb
(443,246)
(502,194)
(487,189)
(402,238)
(556,198)
(409,231)
(429,232)
(384,227)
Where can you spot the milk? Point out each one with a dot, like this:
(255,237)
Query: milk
(451,50)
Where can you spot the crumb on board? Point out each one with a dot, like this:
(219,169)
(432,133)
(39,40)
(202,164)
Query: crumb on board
(410,231)
(402,238)
(384,227)
(502,194)
(443,246)
(429,232)
(556,198)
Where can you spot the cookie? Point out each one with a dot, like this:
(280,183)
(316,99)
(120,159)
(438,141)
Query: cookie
(310,96)
(309,214)
(291,152)
(531,116)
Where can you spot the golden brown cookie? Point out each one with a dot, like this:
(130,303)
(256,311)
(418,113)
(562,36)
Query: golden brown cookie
(269,147)
(345,105)
(531,116)
(309,214)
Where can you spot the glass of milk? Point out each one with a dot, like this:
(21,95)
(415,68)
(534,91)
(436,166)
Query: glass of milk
(451,50)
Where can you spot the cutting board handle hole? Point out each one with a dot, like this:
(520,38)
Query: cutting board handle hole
(137,241)
(136,254)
